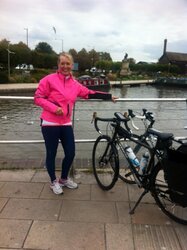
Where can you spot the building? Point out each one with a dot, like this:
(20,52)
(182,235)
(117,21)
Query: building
(174,58)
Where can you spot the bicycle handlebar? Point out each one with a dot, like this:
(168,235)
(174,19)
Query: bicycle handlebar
(117,120)
(146,116)
(128,116)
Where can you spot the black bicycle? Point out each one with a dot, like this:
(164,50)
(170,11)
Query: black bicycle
(166,156)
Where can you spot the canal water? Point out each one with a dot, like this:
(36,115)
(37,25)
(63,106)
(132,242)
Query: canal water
(19,119)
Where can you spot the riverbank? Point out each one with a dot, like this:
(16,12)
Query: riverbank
(7,87)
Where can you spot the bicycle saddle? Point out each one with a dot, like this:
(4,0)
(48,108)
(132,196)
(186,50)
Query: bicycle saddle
(161,135)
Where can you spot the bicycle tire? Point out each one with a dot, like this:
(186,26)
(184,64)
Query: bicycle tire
(160,192)
(105,162)
(125,173)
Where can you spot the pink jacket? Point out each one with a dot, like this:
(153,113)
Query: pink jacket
(56,90)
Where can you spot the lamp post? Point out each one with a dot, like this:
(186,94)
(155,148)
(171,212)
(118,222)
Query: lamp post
(9,52)
(27,36)
(54,29)
(61,44)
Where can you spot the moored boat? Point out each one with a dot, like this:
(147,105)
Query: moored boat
(94,82)
(171,81)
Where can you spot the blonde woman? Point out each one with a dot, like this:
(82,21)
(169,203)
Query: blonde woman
(56,94)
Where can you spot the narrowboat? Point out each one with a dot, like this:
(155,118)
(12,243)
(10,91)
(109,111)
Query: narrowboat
(171,81)
(94,82)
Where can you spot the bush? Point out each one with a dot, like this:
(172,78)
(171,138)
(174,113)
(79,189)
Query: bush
(3,76)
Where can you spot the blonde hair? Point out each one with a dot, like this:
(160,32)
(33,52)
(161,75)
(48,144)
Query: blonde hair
(67,55)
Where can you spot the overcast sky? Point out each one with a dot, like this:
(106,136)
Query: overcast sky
(136,27)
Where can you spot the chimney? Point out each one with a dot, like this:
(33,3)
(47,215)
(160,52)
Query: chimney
(165,46)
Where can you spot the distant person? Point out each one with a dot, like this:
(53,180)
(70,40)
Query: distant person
(56,94)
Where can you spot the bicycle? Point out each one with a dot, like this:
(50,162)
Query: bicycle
(156,177)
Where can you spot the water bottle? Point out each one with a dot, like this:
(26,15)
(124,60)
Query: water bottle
(132,156)
(143,163)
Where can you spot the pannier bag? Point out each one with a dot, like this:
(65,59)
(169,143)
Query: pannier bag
(175,167)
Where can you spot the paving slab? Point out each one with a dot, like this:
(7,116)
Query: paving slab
(21,189)
(83,192)
(3,201)
(135,192)
(123,213)
(119,237)
(66,236)
(14,249)
(181,232)
(16,175)
(13,232)
(150,214)
(117,193)
(150,237)
(83,177)
(42,176)
(33,209)
(89,211)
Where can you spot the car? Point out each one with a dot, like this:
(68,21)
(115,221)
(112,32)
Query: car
(25,66)
(93,70)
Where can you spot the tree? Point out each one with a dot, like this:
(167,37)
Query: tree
(22,54)
(74,54)
(83,60)
(43,47)
(44,60)
(104,56)
(3,52)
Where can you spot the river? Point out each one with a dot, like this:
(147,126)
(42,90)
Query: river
(19,119)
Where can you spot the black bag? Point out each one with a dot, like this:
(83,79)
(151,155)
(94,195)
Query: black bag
(175,167)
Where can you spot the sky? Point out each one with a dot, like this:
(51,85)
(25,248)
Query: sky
(135,27)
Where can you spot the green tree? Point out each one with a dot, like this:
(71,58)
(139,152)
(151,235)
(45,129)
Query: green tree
(3,52)
(74,54)
(44,47)
(44,60)
(104,56)
(22,54)
(83,60)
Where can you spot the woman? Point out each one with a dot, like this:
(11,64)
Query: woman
(56,94)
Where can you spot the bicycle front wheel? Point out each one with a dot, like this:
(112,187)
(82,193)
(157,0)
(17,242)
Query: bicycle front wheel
(105,162)
(161,194)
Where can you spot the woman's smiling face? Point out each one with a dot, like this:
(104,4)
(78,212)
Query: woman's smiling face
(65,65)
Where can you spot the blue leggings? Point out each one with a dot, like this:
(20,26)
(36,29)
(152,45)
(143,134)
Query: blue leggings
(52,135)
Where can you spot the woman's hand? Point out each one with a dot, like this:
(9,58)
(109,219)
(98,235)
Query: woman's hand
(114,98)
(59,111)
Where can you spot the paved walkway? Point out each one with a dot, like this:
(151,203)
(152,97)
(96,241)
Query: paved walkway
(32,217)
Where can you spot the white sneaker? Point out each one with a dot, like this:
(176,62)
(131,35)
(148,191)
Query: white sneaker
(55,186)
(68,183)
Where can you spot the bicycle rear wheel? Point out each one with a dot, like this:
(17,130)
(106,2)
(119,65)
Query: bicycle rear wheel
(161,194)
(105,162)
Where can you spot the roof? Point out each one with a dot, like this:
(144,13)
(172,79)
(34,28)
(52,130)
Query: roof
(174,56)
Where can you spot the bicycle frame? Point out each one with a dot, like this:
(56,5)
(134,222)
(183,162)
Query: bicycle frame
(140,179)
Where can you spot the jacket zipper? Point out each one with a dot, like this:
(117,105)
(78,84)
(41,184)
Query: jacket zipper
(68,109)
